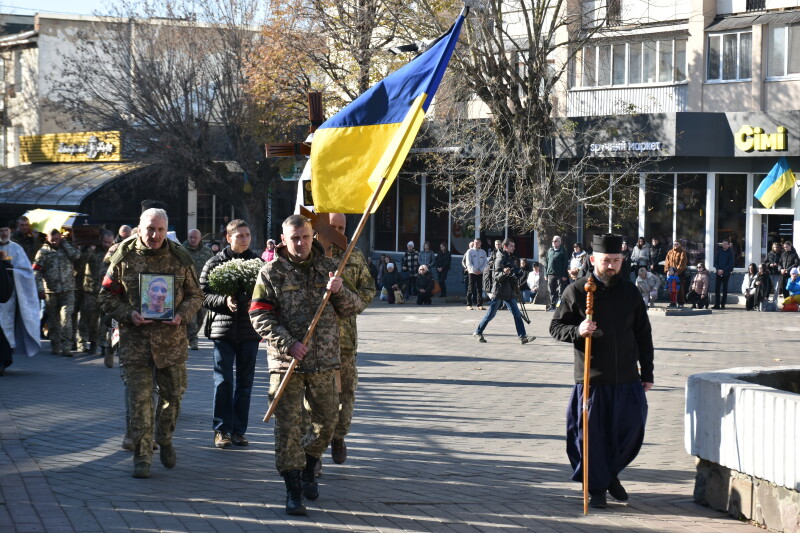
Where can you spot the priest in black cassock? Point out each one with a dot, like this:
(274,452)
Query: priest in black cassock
(620,374)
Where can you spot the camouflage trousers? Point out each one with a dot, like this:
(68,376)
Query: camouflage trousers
(89,323)
(194,325)
(347,394)
(171,384)
(59,318)
(294,436)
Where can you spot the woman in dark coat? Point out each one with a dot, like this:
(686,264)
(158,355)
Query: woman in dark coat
(425,286)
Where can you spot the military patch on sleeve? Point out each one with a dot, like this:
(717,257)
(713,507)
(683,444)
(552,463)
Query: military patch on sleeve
(112,286)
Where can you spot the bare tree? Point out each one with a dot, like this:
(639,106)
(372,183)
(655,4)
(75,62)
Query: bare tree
(523,166)
(170,75)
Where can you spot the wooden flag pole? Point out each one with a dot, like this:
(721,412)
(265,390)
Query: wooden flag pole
(311,327)
(590,287)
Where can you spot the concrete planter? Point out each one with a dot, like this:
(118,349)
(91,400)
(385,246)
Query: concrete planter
(743,425)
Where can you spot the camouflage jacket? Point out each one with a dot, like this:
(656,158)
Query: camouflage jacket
(156,343)
(285,299)
(199,255)
(29,242)
(358,279)
(94,268)
(54,267)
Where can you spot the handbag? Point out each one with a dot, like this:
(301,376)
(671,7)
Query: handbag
(398,297)
(693,297)
(436,288)
(767,306)
(384,294)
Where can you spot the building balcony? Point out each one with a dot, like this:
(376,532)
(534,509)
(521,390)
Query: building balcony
(627,100)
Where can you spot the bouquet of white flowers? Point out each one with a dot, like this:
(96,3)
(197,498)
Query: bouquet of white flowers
(235,278)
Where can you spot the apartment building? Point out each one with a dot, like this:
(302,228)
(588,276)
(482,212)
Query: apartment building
(712,88)
(714,85)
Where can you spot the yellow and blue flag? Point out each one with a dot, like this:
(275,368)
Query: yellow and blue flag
(779,180)
(370,138)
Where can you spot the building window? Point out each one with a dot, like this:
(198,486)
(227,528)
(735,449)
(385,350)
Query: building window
(410,216)
(731,214)
(690,220)
(729,56)
(784,51)
(620,64)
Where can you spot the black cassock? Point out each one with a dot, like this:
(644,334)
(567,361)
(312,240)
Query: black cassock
(622,359)
(617,416)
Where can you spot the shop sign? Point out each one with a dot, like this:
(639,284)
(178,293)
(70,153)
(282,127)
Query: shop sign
(637,148)
(750,138)
(81,147)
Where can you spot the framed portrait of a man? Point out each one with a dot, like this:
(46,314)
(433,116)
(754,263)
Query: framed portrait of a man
(157,294)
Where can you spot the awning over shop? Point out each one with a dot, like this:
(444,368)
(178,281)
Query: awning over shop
(60,185)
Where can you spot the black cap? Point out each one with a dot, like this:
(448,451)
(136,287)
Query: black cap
(607,243)
(150,204)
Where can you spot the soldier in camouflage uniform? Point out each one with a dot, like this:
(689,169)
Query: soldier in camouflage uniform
(200,255)
(358,279)
(55,281)
(151,350)
(94,270)
(287,294)
(27,237)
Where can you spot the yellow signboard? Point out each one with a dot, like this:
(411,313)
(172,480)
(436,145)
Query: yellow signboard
(88,146)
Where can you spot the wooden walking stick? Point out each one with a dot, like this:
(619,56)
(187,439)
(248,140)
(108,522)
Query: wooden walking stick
(590,287)
(313,325)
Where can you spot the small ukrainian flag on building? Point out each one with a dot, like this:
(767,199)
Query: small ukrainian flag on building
(779,180)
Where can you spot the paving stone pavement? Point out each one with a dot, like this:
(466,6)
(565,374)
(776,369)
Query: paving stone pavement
(448,435)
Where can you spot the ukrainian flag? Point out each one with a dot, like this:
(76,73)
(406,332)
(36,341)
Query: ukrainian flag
(779,180)
(370,138)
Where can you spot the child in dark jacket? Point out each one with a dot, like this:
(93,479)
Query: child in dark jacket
(673,286)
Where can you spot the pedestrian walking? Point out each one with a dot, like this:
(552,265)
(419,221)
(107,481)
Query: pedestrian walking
(288,292)
(505,273)
(235,344)
(152,350)
(622,345)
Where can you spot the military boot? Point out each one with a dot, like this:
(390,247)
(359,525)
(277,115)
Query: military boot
(310,485)
(141,470)
(92,348)
(294,493)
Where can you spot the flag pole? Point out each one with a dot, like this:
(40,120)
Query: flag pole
(313,325)
(590,287)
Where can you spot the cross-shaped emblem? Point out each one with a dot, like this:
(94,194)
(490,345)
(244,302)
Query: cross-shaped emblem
(322,225)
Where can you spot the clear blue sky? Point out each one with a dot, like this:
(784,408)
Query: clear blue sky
(30,7)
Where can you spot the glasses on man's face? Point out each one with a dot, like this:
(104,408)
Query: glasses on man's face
(159,288)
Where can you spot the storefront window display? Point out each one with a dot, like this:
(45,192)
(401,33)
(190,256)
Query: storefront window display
(690,211)
(731,214)
(660,200)
(385,221)
(437,215)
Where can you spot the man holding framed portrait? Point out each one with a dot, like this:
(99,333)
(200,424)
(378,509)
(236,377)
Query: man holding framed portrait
(151,290)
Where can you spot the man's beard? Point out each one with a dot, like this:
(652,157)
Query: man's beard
(609,280)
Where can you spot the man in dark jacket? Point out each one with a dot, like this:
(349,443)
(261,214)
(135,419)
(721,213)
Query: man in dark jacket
(442,266)
(723,263)
(235,341)
(657,254)
(504,290)
(788,261)
(556,271)
(617,403)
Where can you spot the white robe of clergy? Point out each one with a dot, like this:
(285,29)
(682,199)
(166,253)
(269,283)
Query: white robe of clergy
(20,315)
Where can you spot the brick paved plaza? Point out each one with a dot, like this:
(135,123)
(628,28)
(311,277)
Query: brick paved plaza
(449,435)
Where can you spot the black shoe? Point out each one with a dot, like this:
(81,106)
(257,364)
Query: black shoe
(294,493)
(310,485)
(617,491)
(722,306)
(222,439)
(525,339)
(239,440)
(141,470)
(167,455)
(92,348)
(715,306)
(597,499)
(338,451)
